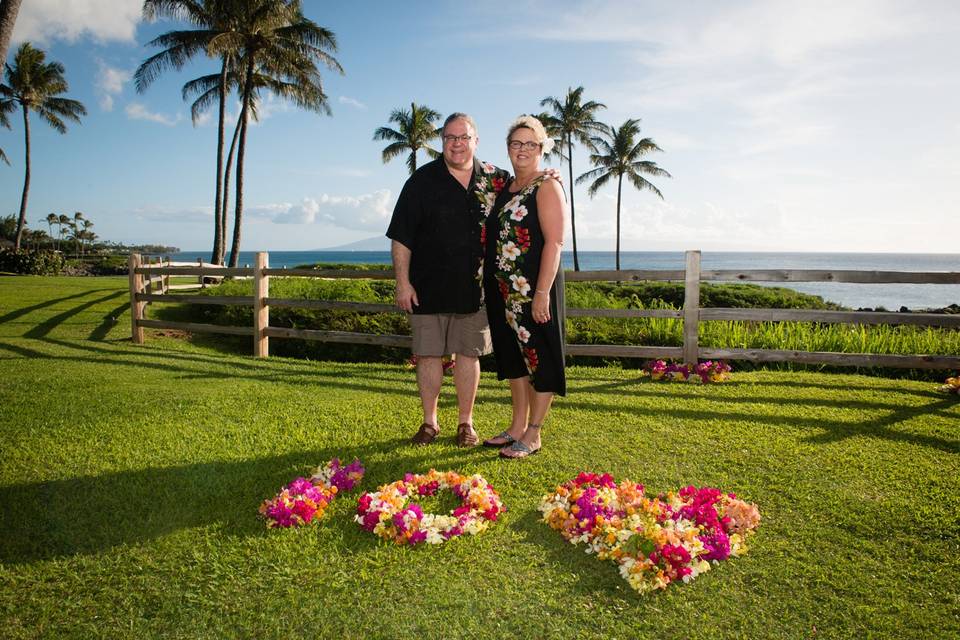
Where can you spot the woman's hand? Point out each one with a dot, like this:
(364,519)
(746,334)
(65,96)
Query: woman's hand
(541,307)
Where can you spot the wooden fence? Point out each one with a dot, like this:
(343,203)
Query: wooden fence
(142,275)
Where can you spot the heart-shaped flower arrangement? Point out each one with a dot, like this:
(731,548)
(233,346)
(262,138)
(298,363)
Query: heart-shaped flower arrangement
(654,541)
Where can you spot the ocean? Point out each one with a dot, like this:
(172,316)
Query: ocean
(855,296)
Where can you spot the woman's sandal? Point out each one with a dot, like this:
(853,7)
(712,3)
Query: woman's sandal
(520,451)
(505,439)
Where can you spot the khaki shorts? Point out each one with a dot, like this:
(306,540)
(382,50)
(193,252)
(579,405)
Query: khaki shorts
(443,334)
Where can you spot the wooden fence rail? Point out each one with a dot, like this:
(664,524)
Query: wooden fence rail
(143,275)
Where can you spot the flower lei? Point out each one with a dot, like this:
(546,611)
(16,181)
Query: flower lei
(674,536)
(487,185)
(513,243)
(951,385)
(703,372)
(304,501)
(386,513)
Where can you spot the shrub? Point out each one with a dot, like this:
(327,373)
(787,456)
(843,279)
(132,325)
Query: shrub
(38,263)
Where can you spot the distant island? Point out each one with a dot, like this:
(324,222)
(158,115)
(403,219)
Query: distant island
(376,243)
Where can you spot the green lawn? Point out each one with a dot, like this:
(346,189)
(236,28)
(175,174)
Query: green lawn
(130,478)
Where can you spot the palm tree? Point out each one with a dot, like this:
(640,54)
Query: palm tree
(75,225)
(86,234)
(213,18)
(277,49)
(51,220)
(619,154)
(62,221)
(35,85)
(8,16)
(572,119)
(416,130)
(5,123)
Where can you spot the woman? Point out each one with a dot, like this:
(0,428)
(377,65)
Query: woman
(522,240)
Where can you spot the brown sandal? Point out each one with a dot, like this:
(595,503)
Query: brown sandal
(466,436)
(426,434)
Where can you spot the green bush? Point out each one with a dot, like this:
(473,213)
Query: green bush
(37,263)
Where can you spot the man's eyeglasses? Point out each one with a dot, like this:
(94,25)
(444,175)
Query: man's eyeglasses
(516,145)
(451,139)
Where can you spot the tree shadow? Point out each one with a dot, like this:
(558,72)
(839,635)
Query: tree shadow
(18,313)
(51,323)
(110,320)
(91,514)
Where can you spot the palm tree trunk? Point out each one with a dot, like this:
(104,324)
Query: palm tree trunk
(8,16)
(238,214)
(218,230)
(619,187)
(573,220)
(226,189)
(22,221)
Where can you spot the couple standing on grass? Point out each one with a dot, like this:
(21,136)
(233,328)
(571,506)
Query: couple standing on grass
(465,233)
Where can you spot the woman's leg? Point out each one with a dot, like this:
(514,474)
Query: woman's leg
(521,406)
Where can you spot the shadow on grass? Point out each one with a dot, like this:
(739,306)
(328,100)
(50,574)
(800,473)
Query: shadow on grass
(51,323)
(594,577)
(91,514)
(110,320)
(496,393)
(18,313)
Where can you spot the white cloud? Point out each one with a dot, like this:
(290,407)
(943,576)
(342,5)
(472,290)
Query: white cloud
(137,111)
(352,102)
(366,212)
(70,20)
(109,83)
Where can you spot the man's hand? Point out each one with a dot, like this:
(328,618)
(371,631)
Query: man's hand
(406,297)
(553,172)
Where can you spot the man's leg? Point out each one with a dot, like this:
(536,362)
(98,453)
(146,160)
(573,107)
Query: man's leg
(429,378)
(466,379)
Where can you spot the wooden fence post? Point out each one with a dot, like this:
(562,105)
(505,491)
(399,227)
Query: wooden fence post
(165,278)
(136,308)
(691,308)
(203,283)
(261,312)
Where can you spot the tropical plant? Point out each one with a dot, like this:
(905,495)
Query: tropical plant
(277,48)
(415,129)
(8,16)
(62,221)
(618,154)
(572,120)
(212,18)
(52,219)
(35,85)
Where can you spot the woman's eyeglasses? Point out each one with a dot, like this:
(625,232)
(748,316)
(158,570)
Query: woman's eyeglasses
(516,145)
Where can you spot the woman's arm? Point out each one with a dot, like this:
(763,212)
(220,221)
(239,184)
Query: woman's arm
(551,212)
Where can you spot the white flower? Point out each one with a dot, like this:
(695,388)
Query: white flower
(516,306)
(487,167)
(511,319)
(511,251)
(519,214)
(523,334)
(520,283)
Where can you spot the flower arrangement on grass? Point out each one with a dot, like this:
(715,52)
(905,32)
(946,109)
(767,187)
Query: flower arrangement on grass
(703,372)
(654,541)
(952,385)
(389,513)
(304,501)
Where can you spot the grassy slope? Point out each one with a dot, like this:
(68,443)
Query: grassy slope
(130,477)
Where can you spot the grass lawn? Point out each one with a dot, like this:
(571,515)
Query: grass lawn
(130,478)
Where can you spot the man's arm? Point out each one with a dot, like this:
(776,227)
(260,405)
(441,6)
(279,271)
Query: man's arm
(405,294)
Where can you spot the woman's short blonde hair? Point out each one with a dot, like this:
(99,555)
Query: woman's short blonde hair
(529,122)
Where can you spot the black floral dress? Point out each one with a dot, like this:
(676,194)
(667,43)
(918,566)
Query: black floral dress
(513,246)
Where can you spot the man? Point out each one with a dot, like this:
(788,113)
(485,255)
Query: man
(437,258)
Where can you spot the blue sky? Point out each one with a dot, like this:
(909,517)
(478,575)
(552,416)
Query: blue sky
(814,126)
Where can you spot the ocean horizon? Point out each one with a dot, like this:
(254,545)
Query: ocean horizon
(855,296)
